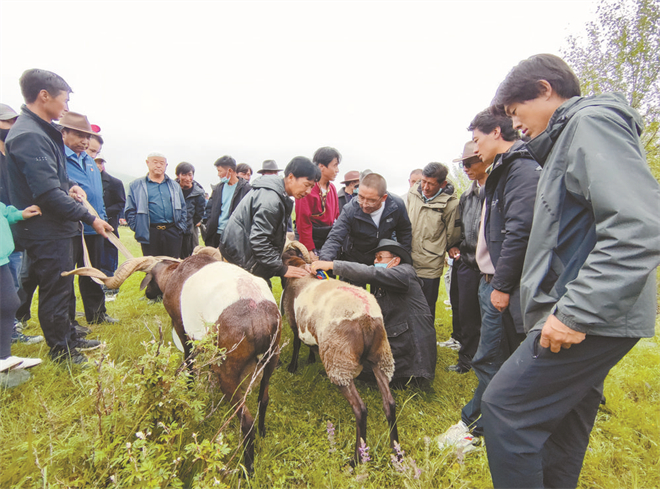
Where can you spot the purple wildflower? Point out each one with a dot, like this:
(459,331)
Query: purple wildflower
(364,452)
(331,436)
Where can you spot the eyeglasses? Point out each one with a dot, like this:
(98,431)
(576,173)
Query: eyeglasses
(369,202)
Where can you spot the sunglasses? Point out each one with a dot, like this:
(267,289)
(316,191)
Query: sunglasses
(473,160)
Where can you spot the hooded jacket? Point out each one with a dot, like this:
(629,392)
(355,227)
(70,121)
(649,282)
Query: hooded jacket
(355,233)
(434,229)
(595,242)
(256,232)
(195,203)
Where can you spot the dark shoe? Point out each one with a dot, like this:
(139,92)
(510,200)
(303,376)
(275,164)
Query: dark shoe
(104,318)
(80,330)
(62,354)
(81,343)
(459,369)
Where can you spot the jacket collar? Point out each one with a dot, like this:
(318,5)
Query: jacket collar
(50,128)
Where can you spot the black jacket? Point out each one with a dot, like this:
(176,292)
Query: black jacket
(406,315)
(214,208)
(195,203)
(255,234)
(114,198)
(469,210)
(355,233)
(510,192)
(37,175)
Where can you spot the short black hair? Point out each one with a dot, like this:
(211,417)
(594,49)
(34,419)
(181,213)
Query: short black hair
(522,82)
(34,81)
(226,162)
(437,171)
(301,167)
(183,168)
(376,182)
(488,119)
(325,155)
(98,138)
(243,168)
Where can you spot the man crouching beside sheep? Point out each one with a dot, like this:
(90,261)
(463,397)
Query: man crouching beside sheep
(407,318)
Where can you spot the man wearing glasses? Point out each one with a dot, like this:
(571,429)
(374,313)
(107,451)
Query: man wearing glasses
(364,221)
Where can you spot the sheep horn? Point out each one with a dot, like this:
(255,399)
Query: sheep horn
(300,247)
(208,250)
(141,264)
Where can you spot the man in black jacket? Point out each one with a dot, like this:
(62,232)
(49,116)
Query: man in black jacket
(256,232)
(224,199)
(114,198)
(506,222)
(37,175)
(193,192)
(365,220)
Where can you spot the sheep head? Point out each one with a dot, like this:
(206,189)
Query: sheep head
(301,251)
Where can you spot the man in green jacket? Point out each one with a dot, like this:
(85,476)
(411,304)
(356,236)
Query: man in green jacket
(588,290)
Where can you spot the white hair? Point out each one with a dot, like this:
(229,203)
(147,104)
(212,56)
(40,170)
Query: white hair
(156,154)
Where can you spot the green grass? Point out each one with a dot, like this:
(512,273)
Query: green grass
(55,432)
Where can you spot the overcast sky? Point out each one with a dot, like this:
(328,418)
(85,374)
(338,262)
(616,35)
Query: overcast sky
(391,85)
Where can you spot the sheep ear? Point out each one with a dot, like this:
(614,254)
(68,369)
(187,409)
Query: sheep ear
(145,281)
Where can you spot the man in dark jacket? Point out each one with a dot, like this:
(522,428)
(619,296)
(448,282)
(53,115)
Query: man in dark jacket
(406,314)
(506,220)
(193,193)
(256,232)
(37,175)
(365,220)
(114,197)
(224,200)
(465,274)
(589,279)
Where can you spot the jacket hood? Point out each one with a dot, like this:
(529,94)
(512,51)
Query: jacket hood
(196,190)
(540,146)
(448,190)
(274,183)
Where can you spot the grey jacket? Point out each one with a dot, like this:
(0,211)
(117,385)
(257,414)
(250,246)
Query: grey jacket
(595,241)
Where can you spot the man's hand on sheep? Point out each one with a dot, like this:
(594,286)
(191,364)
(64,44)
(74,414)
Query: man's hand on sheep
(557,335)
(295,272)
(33,210)
(102,227)
(321,265)
(77,193)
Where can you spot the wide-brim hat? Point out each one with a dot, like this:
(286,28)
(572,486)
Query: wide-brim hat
(351,176)
(468,152)
(269,165)
(395,248)
(78,122)
(7,113)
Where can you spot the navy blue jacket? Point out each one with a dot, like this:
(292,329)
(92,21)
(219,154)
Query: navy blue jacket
(354,233)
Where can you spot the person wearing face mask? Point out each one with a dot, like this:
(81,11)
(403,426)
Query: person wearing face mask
(406,313)
(224,199)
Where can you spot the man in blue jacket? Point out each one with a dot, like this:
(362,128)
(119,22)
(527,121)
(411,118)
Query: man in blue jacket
(156,210)
(365,220)
(37,175)
(76,134)
(588,287)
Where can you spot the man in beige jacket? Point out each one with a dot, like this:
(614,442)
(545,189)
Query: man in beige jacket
(433,211)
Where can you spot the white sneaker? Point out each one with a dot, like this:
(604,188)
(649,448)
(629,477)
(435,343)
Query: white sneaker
(450,343)
(457,436)
(9,362)
(27,362)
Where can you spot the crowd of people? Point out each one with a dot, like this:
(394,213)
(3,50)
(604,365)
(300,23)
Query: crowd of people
(553,249)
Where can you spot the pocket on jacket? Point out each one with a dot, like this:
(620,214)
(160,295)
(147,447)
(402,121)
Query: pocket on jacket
(396,330)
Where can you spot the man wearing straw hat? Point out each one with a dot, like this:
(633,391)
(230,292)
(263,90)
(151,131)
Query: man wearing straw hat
(76,134)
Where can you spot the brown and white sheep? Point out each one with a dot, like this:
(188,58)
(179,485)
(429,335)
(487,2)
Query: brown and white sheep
(346,324)
(201,291)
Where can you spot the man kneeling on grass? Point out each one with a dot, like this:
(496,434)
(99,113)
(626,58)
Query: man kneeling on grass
(588,289)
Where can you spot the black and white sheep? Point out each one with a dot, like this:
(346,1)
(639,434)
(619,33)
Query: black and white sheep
(346,324)
(201,291)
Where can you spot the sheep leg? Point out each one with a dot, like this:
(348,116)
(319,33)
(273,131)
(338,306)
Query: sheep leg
(389,405)
(293,366)
(360,410)
(263,398)
(247,427)
(311,358)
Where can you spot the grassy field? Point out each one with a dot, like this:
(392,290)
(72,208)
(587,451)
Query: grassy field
(131,421)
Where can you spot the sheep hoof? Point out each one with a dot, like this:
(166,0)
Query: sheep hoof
(292,368)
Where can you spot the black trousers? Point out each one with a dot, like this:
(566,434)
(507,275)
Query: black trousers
(188,243)
(430,288)
(109,256)
(27,286)
(466,313)
(163,242)
(49,259)
(91,293)
(8,306)
(539,409)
